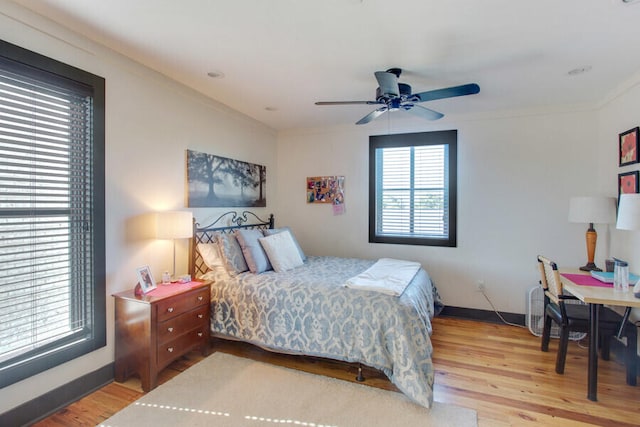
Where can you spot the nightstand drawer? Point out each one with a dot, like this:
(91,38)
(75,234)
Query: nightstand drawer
(178,305)
(181,345)
(178,325)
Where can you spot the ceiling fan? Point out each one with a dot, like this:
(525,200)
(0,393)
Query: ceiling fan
(394,96)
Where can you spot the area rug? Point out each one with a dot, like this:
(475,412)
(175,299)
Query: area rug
(225,390)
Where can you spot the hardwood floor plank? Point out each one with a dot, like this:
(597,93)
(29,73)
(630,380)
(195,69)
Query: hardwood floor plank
(498,370)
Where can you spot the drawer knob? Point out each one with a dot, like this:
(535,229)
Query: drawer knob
(170,349)
(200,334)
(170,329)
(200,316)
(170,309)
(200,298)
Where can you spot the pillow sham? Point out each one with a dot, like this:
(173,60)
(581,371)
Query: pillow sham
(231,253)
(252,250)
(272,231)
(210,255)
(282,251)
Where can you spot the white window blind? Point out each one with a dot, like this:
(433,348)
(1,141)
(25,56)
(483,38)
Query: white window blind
(412,199)
(47,274)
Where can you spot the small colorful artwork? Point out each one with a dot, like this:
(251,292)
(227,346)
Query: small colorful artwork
(325,189)
(628,182)
(628,148)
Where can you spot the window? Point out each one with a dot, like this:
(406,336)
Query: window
(412,188)
(52,263)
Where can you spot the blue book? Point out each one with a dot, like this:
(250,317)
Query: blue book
(607,277)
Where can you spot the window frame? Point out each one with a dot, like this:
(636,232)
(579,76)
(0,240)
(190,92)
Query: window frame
(69,348)
(446,137)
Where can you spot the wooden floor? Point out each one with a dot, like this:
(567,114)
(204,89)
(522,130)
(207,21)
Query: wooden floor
(495,369)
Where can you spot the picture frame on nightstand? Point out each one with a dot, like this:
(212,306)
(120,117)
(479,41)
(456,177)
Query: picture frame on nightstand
(145,279)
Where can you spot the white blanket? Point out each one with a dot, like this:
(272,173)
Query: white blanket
(389,276)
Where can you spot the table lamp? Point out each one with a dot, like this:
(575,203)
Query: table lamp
(174,225)
(629,219)
(592,209)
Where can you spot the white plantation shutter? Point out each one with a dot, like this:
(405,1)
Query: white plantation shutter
(411,180)
(48,228)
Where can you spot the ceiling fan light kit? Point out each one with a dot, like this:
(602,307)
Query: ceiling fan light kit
(393,96)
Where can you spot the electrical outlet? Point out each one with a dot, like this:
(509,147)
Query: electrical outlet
(480,286)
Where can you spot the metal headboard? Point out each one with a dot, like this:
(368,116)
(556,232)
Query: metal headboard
(228,222)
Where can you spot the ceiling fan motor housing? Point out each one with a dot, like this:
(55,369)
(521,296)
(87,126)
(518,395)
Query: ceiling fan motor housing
(403,88)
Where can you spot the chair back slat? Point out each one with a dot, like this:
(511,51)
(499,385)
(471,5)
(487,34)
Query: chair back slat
(550,279)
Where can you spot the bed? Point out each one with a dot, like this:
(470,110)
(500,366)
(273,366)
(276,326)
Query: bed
(307,309)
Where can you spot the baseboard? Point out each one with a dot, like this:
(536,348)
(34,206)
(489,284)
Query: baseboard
(48,403)
(482,315)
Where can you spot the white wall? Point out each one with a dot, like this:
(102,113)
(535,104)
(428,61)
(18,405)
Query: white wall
(516,174)
(618,114)
(150,122)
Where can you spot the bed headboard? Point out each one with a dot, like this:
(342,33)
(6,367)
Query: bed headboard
(225,223)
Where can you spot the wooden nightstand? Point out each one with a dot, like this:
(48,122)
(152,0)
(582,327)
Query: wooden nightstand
(155,329)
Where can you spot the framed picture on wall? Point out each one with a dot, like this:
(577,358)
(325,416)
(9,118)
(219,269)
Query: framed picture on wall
(627,183)
(628,147)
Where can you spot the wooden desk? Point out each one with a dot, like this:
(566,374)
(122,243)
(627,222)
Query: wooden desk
(596,296)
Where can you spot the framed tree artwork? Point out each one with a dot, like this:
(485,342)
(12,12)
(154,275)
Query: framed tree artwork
(627,183)
(215,181)
(628,147)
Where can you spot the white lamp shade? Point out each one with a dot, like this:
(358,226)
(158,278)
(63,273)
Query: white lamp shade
(629,212)
(592,209)
(174,225)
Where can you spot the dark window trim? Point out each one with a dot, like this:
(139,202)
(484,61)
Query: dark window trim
(449,137)
(26,367)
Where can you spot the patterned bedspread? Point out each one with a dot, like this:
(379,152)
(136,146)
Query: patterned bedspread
(308,311)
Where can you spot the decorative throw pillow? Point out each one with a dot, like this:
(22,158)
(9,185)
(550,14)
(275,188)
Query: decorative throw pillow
(210,255)
(252,250)
(231,253)
(282,251)
(272,231)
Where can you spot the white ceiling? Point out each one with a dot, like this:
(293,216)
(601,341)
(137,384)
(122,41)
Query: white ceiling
(287,54)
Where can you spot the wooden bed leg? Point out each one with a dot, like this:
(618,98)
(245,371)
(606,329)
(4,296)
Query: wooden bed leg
(360,378)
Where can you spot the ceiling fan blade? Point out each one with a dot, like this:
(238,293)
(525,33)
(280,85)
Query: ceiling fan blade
(430,95)
(388,83)
(425,113)
(347,102)
(372,115)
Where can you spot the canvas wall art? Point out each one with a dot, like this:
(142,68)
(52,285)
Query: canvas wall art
(215,181)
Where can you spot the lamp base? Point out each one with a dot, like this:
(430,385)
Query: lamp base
(590,267)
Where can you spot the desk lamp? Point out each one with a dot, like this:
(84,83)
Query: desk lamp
(592,209)
(174,225)
(629,219)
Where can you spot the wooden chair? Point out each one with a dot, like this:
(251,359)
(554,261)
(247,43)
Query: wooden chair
(575,318)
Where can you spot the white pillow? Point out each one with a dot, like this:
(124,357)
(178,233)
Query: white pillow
(282,251)
(270,231)
(210,255)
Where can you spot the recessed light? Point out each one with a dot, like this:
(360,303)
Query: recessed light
(215,74)
(579,70)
